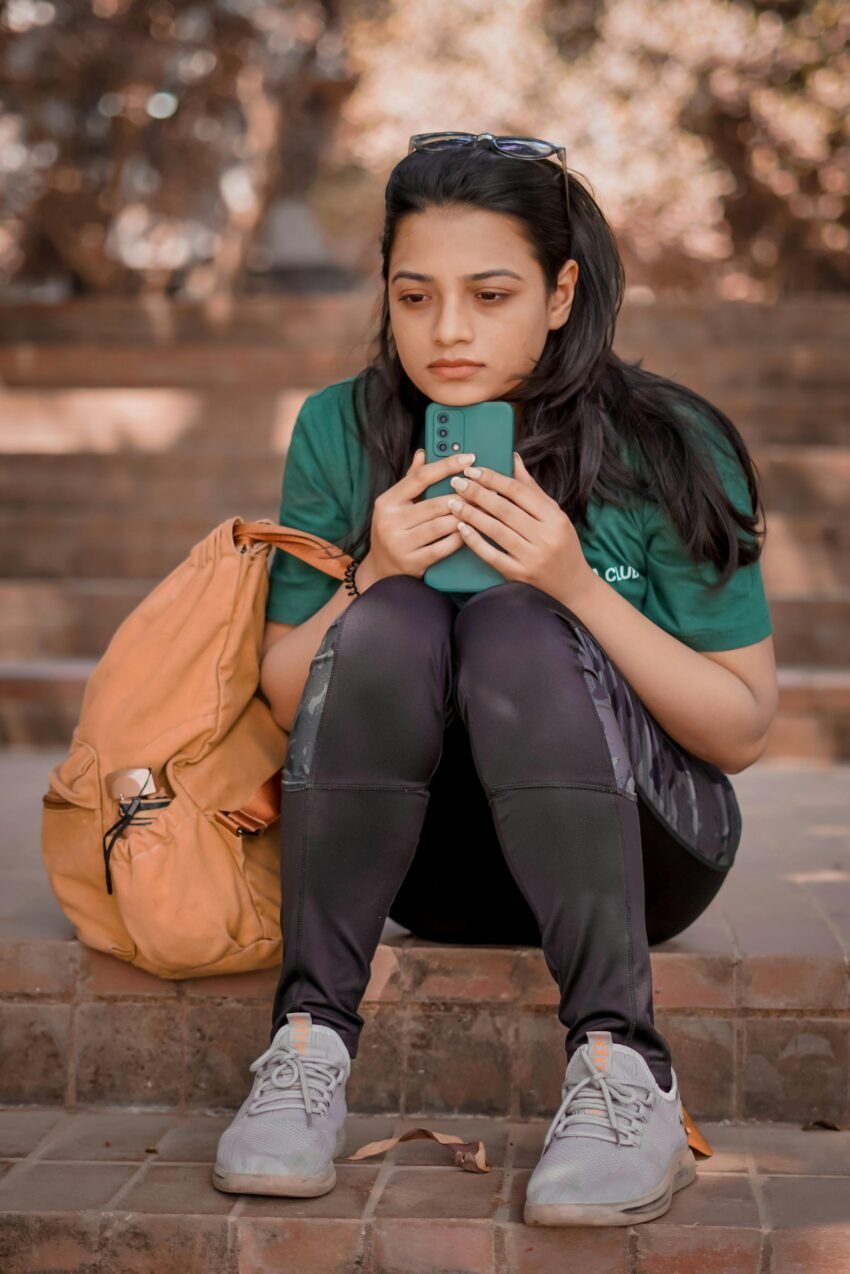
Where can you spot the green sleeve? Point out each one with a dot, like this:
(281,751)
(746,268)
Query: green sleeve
(311,501)
(678,598)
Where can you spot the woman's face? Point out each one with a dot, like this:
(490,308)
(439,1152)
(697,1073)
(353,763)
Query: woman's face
(500,322)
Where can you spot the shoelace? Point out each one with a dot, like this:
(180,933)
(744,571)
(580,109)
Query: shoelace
(622,1119)
(276,1088)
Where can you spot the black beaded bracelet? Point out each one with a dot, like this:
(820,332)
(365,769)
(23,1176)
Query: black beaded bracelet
(350,584)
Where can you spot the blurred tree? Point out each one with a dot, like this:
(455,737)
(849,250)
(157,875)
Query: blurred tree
(143,145)
(142,141)
(716,135)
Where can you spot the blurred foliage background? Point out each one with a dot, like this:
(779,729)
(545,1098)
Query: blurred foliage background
(203,147)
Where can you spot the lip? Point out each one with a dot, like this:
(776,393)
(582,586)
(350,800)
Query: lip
(455,371)
(454,362)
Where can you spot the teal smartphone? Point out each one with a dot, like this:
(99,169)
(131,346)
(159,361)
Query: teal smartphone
(487,429)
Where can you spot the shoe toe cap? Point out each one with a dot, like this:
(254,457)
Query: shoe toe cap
(554,1184)
(300,1156)
(601,1178)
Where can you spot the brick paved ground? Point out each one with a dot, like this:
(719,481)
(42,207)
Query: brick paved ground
(119,1191)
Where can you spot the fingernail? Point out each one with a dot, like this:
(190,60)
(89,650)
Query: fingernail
(474,473)
(466,459)
(459,484)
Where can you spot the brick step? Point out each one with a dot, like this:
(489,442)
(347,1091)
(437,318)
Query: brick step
(448,1029)
(133,1191)
(296,360)
(806,553)
(791,416)
(795,480)
(40,702)
(803,553)
(813,720)
(235,421)
(273,366)
(821,319)
(151,322)
(50,618)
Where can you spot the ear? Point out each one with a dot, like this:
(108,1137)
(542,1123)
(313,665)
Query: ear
(564,294)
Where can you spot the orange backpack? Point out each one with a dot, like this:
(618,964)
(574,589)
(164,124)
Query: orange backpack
(187,885)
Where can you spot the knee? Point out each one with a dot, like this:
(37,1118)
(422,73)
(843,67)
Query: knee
(515,625)
(398,624)
(514,603)
(403,602)
(514,644)
(510,596)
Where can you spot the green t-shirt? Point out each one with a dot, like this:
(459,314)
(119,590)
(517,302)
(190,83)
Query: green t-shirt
(635,549)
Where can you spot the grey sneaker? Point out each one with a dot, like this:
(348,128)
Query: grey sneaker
(617,1148)
(290,1128)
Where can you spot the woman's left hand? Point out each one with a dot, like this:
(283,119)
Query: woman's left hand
(537,542)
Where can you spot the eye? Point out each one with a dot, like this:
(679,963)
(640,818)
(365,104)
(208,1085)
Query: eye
(499,296)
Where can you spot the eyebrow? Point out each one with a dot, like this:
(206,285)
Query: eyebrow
(471,278)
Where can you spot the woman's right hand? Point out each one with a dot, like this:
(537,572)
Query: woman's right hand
(410,534)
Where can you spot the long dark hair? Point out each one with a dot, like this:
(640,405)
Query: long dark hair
(581,402)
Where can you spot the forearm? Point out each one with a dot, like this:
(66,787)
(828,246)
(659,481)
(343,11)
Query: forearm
(286,663)
(703,706)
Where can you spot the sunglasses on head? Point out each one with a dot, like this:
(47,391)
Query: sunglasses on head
(513,147)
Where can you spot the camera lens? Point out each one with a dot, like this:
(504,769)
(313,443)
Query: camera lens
(443,418)
(442,446)
(442,433)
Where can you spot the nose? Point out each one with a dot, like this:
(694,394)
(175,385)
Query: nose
(452,325)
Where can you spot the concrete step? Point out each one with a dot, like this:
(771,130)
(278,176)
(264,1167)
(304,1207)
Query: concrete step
(132,1191)
(753,996)
(795,480)
(40,701)
(51,618)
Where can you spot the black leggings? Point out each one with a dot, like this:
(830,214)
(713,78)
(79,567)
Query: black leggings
(485,774)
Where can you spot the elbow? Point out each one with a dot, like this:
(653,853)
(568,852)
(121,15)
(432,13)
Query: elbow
(745,757)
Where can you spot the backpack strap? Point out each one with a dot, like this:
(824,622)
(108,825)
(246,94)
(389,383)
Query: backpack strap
(310,548)
(258,813)
(263,808)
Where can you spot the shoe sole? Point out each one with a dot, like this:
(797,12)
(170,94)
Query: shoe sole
(682,1173)
(284,1184)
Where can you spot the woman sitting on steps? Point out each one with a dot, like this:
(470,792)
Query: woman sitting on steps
(543,762)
